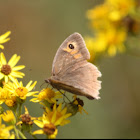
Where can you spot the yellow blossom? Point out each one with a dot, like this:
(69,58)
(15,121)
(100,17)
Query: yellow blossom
(19,90)
(48,128)
(26,118)
(3,39)
(8,116)
(48,95)
(110,23)
(5,131)
(110,41)
(7,97)
(57,116)
(8,71)
(51,119)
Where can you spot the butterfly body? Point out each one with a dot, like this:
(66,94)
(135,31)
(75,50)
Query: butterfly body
(72,72)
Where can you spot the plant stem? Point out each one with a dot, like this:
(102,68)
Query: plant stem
(16,132)
(21,134)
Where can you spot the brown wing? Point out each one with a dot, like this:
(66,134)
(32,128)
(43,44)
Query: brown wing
(66,57)
(80,79)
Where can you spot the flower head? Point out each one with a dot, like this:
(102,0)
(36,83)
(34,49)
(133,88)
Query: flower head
(26,120)
(7,97)
(9,117)
(48,128)
(47,95)
(57,116)
(51,119)
(19,90)
(5,131)
(3,39)
(8,71)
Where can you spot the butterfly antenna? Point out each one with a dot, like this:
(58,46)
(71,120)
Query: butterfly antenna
(43,84)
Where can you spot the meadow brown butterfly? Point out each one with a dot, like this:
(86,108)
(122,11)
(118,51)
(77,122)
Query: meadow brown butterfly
(72,72)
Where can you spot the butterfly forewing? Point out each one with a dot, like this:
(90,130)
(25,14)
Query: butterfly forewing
(72,72)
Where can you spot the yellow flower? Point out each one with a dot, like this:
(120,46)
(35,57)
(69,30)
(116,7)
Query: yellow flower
(19,90)
(11,102)
(111,22)
(8,116)
(51,119)
(57,116)
(7,97)
(9,71)
(5,131)
(3,39)
(111,41)
(48,95)
(48,128)
(26,118)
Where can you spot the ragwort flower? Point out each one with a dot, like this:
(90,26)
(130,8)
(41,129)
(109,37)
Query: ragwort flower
(7,97)
(47,95)
(5,131)
(48,128)
(9,117)
(19,90)
(51,119)
(26,120)
(8,71)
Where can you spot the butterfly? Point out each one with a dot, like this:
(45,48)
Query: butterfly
(72,72)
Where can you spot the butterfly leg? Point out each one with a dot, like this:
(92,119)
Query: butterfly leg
(64,95)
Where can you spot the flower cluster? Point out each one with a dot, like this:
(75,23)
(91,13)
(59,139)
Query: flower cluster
(112,23)
(13,94)
(56,111)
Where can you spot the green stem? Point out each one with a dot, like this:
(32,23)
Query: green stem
(16,132)
(20,110)
(21,134)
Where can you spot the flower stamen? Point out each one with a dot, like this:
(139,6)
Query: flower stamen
(6,69)
(49,129)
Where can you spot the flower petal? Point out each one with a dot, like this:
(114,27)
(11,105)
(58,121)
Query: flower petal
(1,46)
(31,93)
(39,123)
(28,85)
(4,36)
(67,115)
(53,117)
(17,74)
(13,63)
(3,59)
(32,86)
(12,59)
(59,107)
(40,131)
(1,75)
(64,111)
(6,78)
(12,78)
(58,122)
(18,67)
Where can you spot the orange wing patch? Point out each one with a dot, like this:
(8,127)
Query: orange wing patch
(77,56)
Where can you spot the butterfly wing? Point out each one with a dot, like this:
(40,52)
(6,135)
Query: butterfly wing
(81,79)
(72,72)
(66,57)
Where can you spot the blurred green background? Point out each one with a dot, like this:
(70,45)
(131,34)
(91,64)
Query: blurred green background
(38,28)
